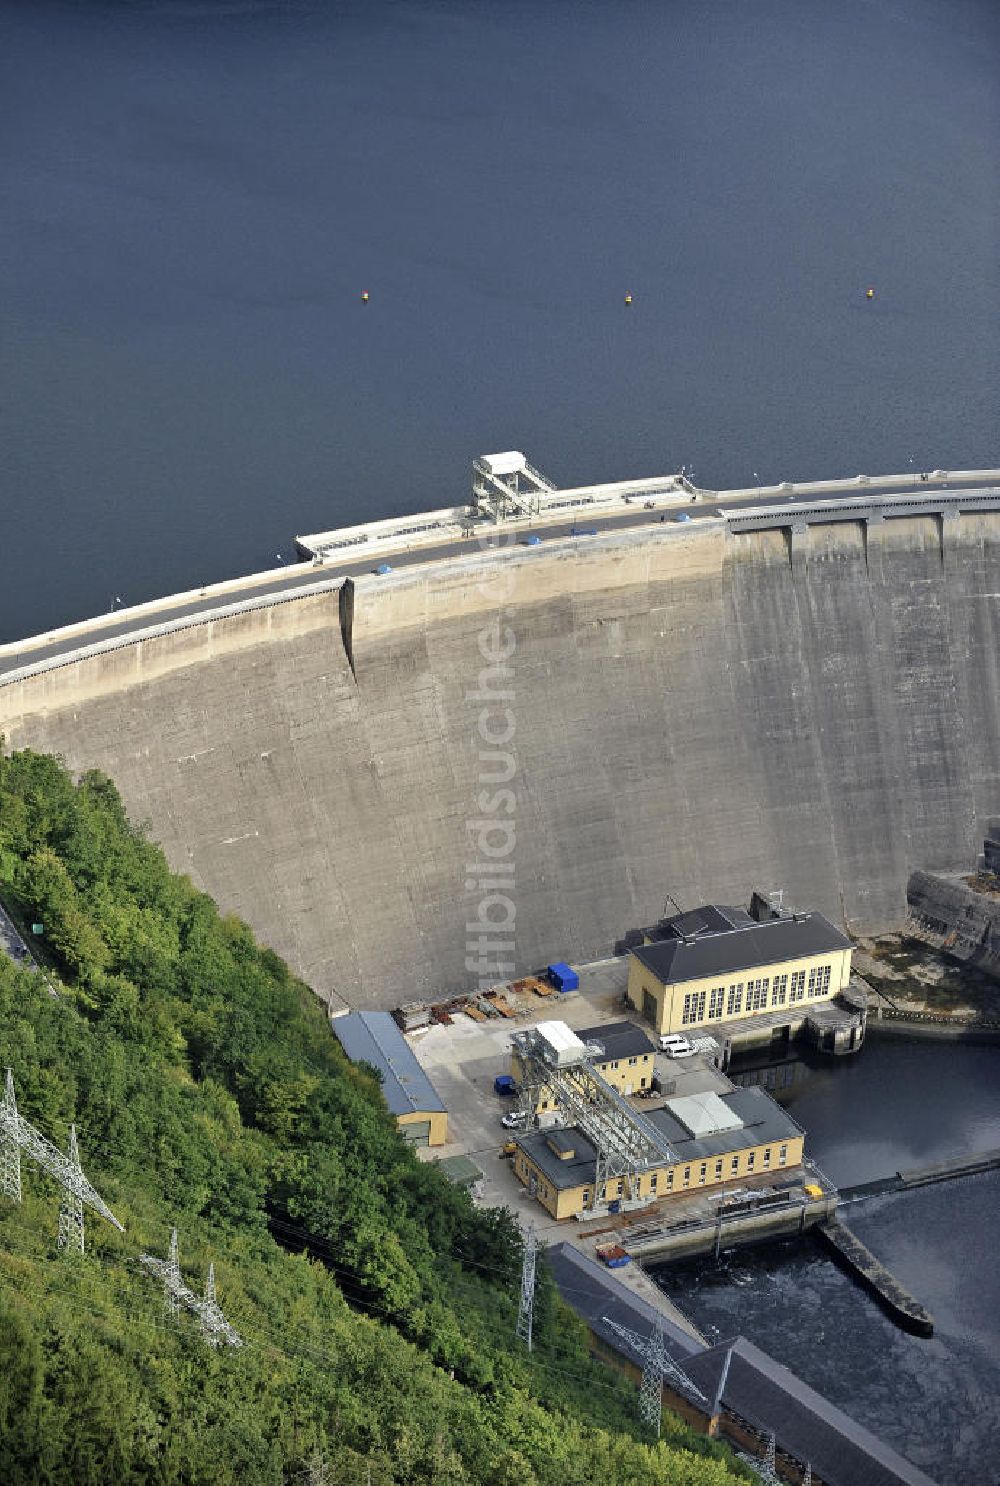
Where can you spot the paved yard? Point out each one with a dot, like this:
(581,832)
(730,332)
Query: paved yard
(463,1059)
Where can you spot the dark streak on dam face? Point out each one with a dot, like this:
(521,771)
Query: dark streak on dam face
(696,712)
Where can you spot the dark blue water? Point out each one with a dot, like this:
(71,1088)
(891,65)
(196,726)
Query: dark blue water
(937,1401)
(195,193)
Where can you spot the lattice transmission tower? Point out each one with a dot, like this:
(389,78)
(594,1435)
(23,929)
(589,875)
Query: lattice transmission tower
(766,1469)
(172,1280)
(10,1150)
(17,1136)
(527,1307)
(214,1326)
(71,1206)
(657,1365)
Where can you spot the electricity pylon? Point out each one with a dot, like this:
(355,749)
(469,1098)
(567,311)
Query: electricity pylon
(16,1135)
(766,1469)
(651,1388)
(214,1326)
(526,1311)
(10,1150)
(657,1364)
(71,1207)
(212,1319)
(172,1280)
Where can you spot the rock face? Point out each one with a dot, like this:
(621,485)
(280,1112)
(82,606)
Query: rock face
(691,713)
(957,918)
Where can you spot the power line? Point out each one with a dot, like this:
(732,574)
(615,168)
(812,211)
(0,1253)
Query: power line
(306,1351)
(316,1242)
(657,1364)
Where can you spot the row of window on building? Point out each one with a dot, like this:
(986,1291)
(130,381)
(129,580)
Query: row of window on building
(783,988)
(614,1189)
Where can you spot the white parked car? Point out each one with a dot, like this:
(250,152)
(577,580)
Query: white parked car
(515,1120)
(675,1046)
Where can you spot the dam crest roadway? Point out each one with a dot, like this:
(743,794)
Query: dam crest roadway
(436,536)
(798,685)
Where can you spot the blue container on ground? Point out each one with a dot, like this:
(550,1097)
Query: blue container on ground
(504,1084)
(563,977)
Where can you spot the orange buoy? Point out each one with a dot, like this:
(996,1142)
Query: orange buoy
(869,293)
(364,296)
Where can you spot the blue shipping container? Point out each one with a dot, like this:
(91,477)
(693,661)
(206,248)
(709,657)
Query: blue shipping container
(563,977)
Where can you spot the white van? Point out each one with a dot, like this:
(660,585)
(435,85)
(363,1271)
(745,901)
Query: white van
(675,1046)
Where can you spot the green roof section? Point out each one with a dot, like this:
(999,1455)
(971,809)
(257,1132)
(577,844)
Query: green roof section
(460,1170)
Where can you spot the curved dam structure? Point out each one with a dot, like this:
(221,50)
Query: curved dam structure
(807,699)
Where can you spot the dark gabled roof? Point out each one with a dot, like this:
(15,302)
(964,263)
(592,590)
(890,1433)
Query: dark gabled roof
(770,1397)
(727,951)
(710,918)
(590,1290)
(619,1040)
(839,1449)
(373,1037)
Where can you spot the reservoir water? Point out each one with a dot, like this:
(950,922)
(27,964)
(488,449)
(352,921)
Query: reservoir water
(196,193)
(897,1104)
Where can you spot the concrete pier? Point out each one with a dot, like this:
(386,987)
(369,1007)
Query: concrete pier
(944,1171)
(972,1164)
(862,1265)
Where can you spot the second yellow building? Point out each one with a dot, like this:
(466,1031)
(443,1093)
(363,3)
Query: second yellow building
(717,964)
(714,1140)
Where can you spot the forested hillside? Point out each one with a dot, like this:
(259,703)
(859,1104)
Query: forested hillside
(377,1305)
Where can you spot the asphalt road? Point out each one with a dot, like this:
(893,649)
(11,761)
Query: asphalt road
(10,940)
(301,576)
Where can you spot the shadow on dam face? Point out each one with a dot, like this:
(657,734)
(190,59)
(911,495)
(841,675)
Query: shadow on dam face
(687,713)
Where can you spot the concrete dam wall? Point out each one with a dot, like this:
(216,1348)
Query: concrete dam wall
(694,712)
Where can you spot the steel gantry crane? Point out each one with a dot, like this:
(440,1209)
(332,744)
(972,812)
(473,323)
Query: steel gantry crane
(625,1142)
(506,486)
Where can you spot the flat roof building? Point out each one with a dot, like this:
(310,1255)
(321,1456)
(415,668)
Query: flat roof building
(710,1140)
(373,1037)
(718,963)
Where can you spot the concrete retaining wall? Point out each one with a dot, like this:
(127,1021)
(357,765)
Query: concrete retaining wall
(694,715)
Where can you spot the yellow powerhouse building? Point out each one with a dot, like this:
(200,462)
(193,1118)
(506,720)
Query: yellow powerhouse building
(712,1140)
(717,964)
